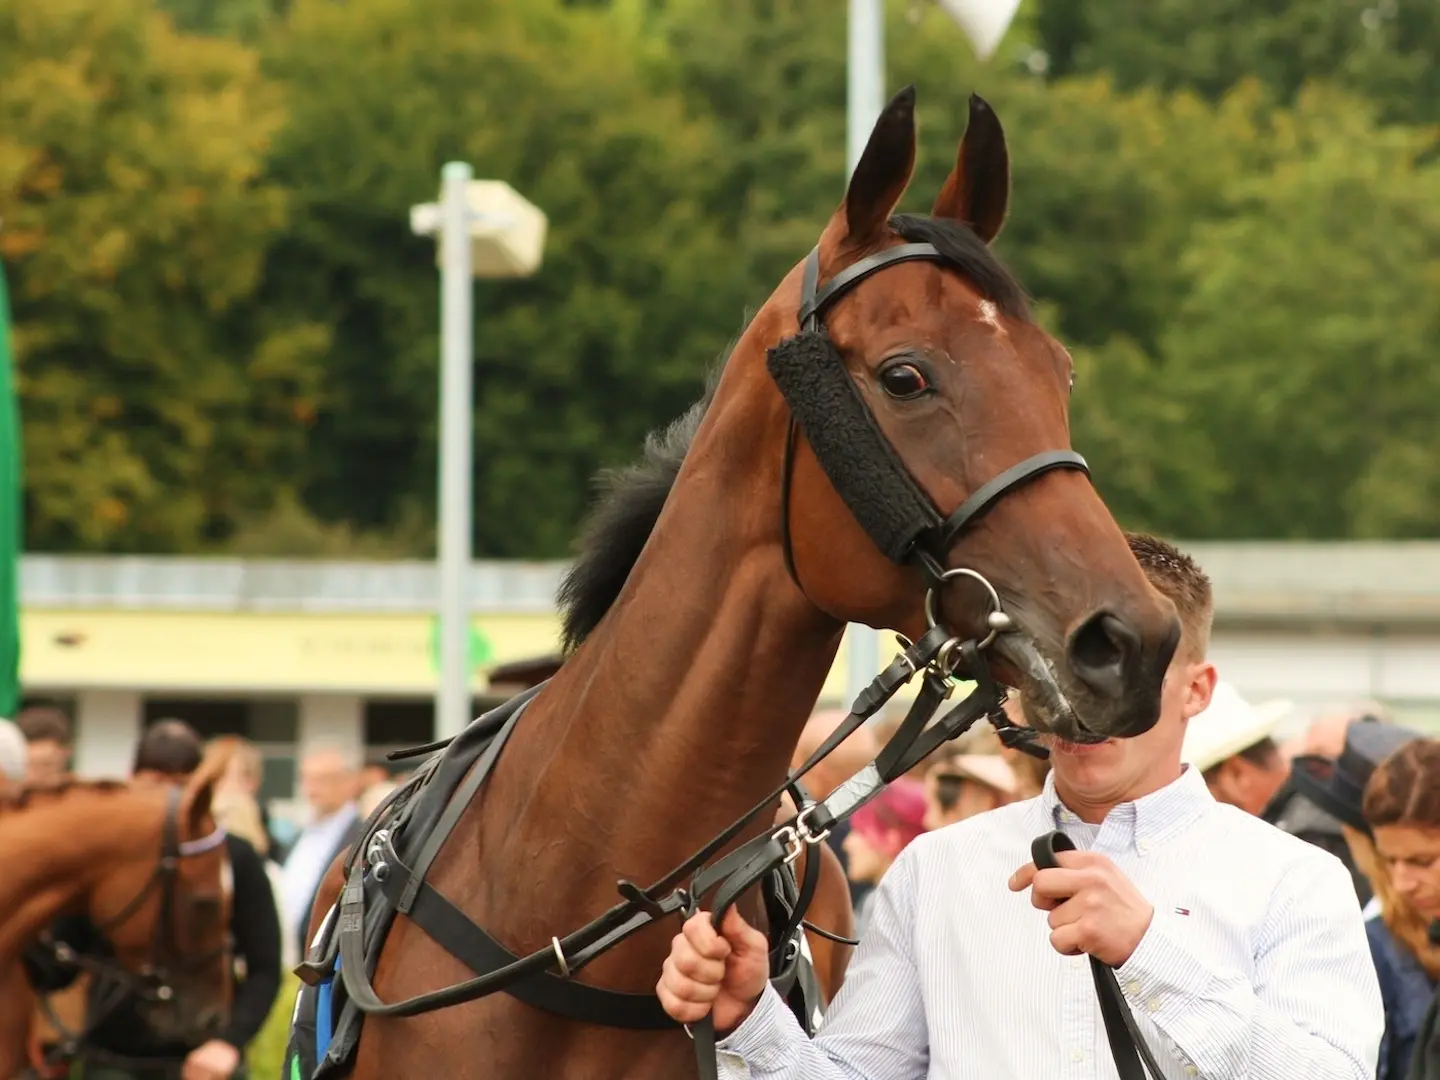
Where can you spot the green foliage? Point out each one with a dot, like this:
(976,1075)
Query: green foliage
(157,404)
(1382,49)
(615,333)
(228,336)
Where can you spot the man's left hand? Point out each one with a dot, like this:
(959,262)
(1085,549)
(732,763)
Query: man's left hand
(1093,906)
(214,1060)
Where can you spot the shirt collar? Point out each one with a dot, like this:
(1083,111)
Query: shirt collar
(1146,821)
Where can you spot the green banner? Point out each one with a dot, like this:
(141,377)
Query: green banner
(10,518)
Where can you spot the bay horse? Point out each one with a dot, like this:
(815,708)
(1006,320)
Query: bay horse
(146,864)
(887,442)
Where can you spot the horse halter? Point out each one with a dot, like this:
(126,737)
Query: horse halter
(154,983)
(859,460)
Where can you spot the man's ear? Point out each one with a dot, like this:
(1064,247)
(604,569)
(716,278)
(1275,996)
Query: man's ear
(1200,688)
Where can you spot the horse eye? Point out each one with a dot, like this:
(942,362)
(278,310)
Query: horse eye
(904,381)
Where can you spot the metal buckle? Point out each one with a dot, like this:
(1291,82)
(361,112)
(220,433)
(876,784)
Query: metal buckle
(997,620)
(794,843)
(802,826)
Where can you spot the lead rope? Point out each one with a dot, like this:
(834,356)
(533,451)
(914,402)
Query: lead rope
(1127,1045)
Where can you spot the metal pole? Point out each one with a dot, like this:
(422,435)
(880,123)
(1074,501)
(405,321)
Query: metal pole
(452,702)
(864,99)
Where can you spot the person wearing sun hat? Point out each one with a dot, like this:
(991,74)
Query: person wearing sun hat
(1232,743)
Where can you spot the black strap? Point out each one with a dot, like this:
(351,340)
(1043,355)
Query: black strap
(1127,1045)
(986,495)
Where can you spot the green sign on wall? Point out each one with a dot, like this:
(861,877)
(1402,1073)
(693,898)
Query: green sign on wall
(482,650)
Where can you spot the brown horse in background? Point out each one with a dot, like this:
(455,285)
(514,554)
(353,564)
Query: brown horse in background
(96,848)
(689,682)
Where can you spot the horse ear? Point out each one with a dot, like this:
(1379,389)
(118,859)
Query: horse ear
(977,192)
(199,795)
(881,176)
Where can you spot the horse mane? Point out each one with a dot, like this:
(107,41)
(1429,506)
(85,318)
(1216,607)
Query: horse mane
(631,497)
(629,504)
(24,796)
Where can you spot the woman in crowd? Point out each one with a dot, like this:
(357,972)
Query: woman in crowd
(879,831)
(1402,811)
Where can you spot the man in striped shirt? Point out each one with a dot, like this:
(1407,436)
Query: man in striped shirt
(1240,949)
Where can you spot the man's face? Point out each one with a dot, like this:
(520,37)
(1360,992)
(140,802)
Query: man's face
(1112,772)
(1240,782)
(46,762)
(327,782)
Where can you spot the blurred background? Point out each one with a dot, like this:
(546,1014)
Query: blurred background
(225,335)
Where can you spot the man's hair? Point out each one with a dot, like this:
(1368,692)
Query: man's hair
(1404,789)
(1179,578)
(169,747)
(44,723)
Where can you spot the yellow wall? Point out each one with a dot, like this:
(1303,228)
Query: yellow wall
(276,653)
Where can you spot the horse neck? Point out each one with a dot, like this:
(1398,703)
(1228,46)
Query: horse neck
(679,712)
(48,854)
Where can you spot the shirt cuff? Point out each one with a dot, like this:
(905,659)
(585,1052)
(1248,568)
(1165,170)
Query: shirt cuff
(1162,974)
(762,1039)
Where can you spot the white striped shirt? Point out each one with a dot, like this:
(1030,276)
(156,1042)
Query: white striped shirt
(1255,964)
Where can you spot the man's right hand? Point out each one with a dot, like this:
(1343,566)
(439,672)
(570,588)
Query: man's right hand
(714,974)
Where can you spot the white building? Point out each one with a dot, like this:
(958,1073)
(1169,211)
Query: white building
(287,653)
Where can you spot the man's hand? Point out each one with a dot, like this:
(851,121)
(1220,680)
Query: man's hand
(714,974)
(1093,906)
(214,1060)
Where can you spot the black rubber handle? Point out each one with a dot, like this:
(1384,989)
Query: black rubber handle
(1043,849)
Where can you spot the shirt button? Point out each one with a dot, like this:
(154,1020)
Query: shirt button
(1143,846)
(1190,1070)
(1077,1055)
(1077,962)
(1133,986)
(1154,1005)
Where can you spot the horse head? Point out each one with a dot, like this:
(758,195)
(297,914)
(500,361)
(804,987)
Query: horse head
(158,892)
(927,459)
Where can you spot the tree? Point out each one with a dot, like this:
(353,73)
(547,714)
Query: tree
(612,337)
(157,404)
(1307,339)
(1382,49)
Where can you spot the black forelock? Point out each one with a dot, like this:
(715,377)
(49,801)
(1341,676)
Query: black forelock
(970,256)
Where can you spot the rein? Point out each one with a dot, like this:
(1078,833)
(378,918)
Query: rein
(117,985)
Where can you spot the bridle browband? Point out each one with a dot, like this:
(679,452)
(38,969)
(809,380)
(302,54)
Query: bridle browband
(154,983)
(913,531)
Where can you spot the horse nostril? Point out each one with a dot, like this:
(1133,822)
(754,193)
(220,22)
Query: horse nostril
(1102,651)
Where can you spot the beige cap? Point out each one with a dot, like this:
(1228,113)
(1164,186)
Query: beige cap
(992,770)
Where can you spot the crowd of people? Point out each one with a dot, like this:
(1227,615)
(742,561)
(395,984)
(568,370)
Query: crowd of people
(1308,940)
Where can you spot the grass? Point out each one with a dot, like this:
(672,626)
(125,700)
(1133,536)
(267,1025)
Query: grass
(267,1053)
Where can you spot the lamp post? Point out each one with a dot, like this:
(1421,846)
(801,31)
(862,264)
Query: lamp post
(985,22)
(485,229)
(864,98)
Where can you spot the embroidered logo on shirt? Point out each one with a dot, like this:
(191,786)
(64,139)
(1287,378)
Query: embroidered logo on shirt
(1182,911)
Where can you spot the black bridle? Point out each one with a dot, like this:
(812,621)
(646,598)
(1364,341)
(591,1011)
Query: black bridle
(154,984)
(906,526)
